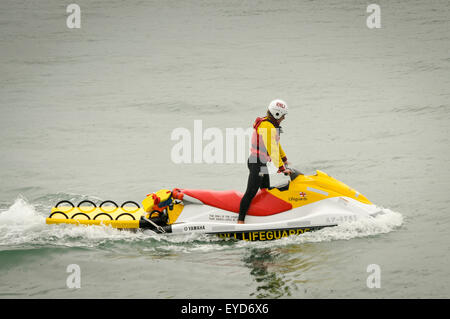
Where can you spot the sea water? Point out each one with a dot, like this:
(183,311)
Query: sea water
(89,113)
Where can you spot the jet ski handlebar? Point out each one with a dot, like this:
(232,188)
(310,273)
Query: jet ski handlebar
(295,173)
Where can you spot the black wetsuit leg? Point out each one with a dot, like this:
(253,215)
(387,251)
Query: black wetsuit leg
(257,178)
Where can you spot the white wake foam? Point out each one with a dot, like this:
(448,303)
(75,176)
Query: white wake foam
(383,223)
(22,225)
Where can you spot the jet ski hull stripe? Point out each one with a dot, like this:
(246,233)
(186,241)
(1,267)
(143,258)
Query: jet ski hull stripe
(311,189)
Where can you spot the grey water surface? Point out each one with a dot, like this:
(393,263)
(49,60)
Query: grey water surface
(89,114)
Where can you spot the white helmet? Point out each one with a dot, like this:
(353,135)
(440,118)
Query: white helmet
(278,108)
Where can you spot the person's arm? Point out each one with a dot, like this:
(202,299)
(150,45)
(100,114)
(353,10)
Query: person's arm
(283,155)
(286,171)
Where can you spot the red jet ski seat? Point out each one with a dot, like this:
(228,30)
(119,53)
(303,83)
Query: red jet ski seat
(263,204)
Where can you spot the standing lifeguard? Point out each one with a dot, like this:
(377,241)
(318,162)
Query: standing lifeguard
(265,147)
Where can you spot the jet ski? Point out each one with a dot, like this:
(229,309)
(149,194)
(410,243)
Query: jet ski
(304,203)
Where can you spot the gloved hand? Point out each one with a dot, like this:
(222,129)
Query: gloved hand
(285,171)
